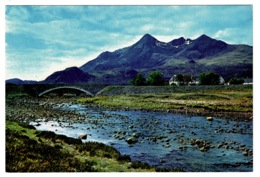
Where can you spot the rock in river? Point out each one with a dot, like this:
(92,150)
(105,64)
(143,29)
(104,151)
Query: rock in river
(136,135)
(83,137)
(132,140)
(209,118)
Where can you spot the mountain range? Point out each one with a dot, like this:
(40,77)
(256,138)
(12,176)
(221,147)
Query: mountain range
(179,56)
(18,81)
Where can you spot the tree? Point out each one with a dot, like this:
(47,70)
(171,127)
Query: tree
(155,78)
(236,81)
(179,79)
(187,78)
(138,80)
(209,78)
(183,79)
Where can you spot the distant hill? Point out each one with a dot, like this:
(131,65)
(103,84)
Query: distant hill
(72,75)
(19,81)
(185,56)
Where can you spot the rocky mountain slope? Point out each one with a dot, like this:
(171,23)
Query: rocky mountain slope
(185,56)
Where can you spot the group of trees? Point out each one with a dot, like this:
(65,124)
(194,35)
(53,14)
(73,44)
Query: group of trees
(183,79)
(209,78)
(206,78)
(154,78)
(236,81)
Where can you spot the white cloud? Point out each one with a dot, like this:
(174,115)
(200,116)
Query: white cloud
(18,13)
(223,33)
(39,64)
(234,35)
(147,28)
(77,34)
(169,38)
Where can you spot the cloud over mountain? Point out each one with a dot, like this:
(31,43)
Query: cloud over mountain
(39,37)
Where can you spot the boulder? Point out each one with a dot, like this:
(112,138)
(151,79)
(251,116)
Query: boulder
(183,148)
(38,124)
(131,126)
(167,146)
(136,135)
(132,140)
(203,149)
(245,153)
(209,119)
(83,137)
(198,141)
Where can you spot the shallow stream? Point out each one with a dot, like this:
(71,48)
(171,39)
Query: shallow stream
(166,140)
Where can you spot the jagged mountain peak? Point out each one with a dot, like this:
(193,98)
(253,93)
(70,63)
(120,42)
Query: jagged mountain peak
(147,39)
(205,38)
(178,41)
(209,46)
(147,36)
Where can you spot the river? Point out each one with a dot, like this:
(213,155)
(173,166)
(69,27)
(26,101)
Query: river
(165,140)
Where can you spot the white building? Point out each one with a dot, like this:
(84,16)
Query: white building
(173,81)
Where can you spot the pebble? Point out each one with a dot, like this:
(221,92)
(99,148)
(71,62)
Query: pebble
(209,119)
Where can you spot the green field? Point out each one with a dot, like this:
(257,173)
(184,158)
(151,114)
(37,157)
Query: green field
(213,99)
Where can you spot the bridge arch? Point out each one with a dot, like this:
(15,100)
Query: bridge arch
(65,87)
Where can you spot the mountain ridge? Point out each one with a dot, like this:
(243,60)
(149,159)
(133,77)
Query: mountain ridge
(180,55)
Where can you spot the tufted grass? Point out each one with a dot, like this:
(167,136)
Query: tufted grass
(29,150)
(234,100)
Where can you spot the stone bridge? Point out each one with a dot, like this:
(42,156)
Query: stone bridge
(41,89)
(66,87)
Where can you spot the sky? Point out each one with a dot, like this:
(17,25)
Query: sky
(40,40)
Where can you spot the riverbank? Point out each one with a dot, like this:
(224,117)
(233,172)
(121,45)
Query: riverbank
(29,150)
(235,103)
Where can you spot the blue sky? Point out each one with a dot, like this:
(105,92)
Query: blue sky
(44,39)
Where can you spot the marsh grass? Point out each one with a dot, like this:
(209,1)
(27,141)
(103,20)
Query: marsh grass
(235,100)
(17,95)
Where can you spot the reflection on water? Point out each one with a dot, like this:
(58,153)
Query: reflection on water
(164,139)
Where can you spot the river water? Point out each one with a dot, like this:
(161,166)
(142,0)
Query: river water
(164,139)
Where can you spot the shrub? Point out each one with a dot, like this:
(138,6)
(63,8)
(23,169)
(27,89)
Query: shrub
(236,81)
(155,78)
(209,78)
(139,164)
(124,158)
(183,79)
(138,80)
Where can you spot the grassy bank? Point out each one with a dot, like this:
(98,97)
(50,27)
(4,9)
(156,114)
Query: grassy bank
(211,99)
(120,90)
(29,150)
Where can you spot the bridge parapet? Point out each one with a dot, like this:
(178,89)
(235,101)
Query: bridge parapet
(66,87)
